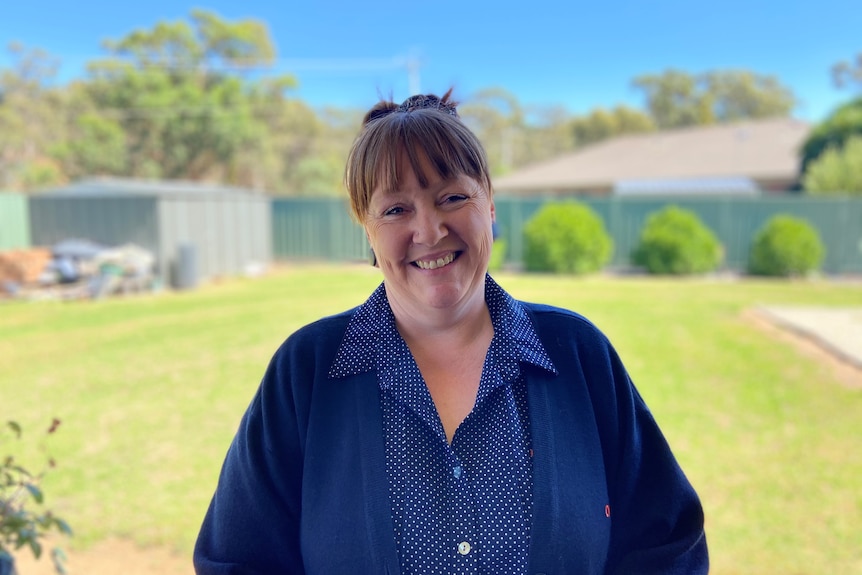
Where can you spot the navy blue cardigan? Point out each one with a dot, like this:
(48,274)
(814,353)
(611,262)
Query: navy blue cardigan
(304,490)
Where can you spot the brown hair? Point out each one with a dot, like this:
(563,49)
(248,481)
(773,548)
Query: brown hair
(423,126)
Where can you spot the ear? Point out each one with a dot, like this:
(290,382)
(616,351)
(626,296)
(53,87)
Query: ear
(372,257)
(495,230)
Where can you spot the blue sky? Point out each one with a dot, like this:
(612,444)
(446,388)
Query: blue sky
(574,54)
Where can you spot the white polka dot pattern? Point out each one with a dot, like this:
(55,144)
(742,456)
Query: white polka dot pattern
(465,507)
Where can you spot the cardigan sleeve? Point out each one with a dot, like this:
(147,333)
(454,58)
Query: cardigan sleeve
(657,521)
(253,521)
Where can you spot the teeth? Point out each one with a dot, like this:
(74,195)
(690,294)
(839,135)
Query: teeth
(434,264)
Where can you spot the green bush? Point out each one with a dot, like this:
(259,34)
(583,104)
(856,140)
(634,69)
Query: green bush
(566,238)
(842,124)
(675,241)
(786,246)
(837,170)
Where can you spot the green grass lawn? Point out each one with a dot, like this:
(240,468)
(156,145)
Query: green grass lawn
(150,390)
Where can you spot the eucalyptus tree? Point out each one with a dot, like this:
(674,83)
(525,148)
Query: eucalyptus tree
(601,124)
(498,119)
(179,92)
(848,73)
(31,121)
(676,99)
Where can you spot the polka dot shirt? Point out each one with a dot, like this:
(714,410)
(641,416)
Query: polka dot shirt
(464,507)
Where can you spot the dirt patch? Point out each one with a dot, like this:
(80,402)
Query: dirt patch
(110,557)
(845,372)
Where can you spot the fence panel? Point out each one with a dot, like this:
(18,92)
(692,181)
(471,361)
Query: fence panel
(321,228)
(316,228)
(734,220)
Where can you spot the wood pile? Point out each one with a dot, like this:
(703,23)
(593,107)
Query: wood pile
(23,267)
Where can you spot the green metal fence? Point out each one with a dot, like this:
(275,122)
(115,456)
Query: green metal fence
(321,228)
(14,221)
(734,220)
(316,228)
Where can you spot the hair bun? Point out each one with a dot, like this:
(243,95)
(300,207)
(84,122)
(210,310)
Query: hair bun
(378,111)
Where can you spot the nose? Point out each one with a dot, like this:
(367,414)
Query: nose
(429,227)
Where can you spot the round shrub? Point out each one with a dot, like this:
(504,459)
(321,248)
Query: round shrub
(675,241)
(566,238)
(786,246)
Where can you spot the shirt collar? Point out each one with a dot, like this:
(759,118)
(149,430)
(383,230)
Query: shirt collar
(371,336)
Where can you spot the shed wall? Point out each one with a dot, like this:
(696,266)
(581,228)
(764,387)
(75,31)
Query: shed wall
(109,221)
(229,234)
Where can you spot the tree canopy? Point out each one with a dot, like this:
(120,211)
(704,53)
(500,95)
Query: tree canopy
(676,99)
(176,95)
(842,124)
(837,171)
(831,157)
(601,124)
(197,99)
(848,74)
(31,120)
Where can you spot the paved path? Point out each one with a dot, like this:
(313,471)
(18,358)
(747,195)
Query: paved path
(837,329)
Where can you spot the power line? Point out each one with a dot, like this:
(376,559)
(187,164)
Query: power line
(411,64)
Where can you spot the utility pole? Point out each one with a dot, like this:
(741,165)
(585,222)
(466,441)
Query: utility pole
(412,63)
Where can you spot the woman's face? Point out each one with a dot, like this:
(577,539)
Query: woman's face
(432,244)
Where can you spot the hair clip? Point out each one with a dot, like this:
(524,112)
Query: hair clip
(421,101)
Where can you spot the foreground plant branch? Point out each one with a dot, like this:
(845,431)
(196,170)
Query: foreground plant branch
(24,521)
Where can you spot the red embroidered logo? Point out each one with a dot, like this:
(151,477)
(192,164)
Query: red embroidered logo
(607,510)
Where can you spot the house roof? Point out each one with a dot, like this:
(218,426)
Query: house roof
(764,150)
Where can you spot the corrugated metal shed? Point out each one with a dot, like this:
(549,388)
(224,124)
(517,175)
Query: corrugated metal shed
(226,229)
(14,221)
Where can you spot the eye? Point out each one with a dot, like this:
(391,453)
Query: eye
(394,211)
(454,198)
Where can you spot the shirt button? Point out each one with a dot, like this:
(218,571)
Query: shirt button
(456,471)
(464,548)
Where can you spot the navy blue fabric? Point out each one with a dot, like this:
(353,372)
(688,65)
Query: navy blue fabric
(304,487)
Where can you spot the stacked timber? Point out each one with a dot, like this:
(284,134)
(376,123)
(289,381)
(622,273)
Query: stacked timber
(23,267)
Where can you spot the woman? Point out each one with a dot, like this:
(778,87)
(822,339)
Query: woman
(442,426)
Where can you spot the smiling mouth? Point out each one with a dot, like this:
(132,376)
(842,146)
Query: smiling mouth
(434,264)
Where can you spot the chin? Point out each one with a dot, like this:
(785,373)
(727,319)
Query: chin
(448,295)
